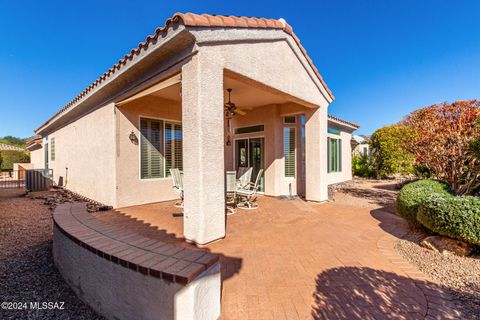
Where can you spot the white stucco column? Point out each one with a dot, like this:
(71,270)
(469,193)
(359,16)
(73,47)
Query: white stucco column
(203,150)
(316,188)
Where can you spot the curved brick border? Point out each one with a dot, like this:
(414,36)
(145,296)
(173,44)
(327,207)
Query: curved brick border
(152,257)
(439,305)
(124,276)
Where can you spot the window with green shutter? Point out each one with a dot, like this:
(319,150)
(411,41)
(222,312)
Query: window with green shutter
(52,149)
(334,153)
(160,148)
(289,151)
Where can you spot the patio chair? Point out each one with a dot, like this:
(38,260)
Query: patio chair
(248,193)
(177,185)
(231,192)
(244,176)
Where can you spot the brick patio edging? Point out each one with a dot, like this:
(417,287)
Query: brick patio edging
(123,275)
(437,307)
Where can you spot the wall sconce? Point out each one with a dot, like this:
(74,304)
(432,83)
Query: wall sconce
(133,138)
(229,143)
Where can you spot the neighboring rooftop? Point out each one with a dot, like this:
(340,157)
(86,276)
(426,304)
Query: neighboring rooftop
(8,147)
(194,20)
(345,122)
(361,138)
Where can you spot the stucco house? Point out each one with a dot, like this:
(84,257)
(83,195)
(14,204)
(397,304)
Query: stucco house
(360,145)
(162,106)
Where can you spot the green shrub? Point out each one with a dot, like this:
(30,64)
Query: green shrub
(361,166)
(9,157)
(412,195)
(389,157)
(452,216)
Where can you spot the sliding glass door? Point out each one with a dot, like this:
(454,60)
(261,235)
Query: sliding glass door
(250,153)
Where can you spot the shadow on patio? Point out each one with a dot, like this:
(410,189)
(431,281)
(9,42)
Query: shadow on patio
(123,218)
(390,222)
(366,293)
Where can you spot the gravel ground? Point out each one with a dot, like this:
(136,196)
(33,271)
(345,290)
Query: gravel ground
(366,193)
(460,274)
(27,271)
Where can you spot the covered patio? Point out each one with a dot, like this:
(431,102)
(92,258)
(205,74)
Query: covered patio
(297,260)
(267,129)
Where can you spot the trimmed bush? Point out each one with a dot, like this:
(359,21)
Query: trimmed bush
(9,157)
(451,216)
(361,166)
(414,193)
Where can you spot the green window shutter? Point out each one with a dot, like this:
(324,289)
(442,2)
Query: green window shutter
(334,154)
(289,151)
(52,149)
(329,155)
(339,155)
(152,160)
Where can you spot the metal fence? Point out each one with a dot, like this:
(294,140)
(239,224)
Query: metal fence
(32,179)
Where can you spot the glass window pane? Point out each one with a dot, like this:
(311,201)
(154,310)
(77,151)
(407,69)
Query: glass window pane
(290,119)
(250,129)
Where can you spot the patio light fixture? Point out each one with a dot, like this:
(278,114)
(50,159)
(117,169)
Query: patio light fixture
(230,109)
(133,138)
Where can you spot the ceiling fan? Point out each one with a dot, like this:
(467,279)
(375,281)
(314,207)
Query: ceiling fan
(231,109)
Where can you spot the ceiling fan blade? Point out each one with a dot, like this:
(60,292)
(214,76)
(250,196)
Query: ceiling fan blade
(240,112)
(245,108)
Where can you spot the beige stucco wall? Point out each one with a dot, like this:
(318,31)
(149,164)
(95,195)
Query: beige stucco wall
(131,190)
(270,57)
(120,293)
(359,149)
(37,158)
(265,63)
(87,148)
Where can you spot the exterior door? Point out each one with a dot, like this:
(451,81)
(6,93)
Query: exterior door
(250,153)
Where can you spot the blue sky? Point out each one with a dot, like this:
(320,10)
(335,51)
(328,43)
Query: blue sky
(382,59)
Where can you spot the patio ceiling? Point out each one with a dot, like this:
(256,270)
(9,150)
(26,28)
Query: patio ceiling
(242,95)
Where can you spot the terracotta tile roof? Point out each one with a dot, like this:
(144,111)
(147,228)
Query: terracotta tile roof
(8,147)
(196,20)
(343,121)
(33,141)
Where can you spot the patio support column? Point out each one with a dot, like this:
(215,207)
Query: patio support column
(316,187)
(203,150)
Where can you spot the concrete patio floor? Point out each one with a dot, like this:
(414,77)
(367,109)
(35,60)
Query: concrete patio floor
(302,260)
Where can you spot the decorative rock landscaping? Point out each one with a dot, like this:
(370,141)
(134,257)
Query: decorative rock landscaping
(460,274)
(27,271)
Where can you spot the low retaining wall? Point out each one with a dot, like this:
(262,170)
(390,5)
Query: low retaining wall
(122,275)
